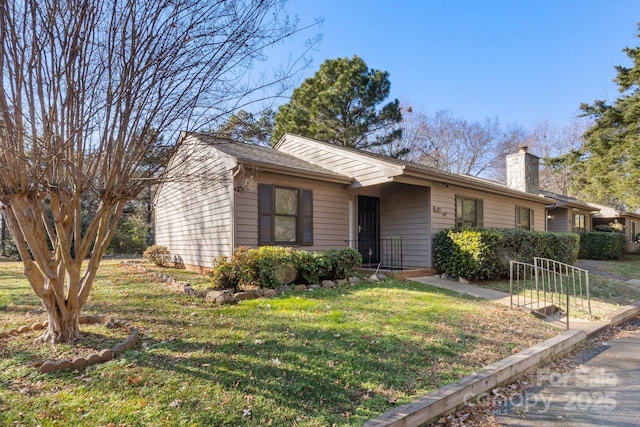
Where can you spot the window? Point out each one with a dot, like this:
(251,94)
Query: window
(579,223)
(524,218)
(285,216)
(634,231)
(468,212)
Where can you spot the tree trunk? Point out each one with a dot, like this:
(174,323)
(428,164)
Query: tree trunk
(64,324)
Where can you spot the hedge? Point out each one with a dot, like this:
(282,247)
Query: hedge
(602,245)
(479,254)
(273,266)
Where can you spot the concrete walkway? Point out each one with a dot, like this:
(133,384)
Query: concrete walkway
(589,327)
(602,390)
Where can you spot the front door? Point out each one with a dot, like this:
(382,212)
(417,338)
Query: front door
(368,229)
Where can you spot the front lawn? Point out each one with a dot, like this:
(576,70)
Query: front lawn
(318,358)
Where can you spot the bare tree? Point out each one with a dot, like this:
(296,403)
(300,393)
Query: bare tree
(87,87)
(458,146)
(550,141)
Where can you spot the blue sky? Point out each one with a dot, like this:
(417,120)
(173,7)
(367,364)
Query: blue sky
(519,61)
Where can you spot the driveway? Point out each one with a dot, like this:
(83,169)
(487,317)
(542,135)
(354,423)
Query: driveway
(602,390)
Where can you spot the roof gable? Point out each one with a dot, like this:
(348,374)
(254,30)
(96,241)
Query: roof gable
(268,158)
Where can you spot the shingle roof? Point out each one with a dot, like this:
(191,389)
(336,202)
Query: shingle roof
(568,201)
(428,170)
(260,155)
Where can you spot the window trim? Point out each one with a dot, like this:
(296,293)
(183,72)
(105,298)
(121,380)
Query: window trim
(576,228)
(301,218)
(478,209)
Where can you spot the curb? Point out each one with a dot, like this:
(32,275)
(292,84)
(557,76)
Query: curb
(429,407)
(424,409)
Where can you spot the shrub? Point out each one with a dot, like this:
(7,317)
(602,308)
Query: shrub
(159,255)
(468,253)
(485,253)
(341,263)
(599,245)
(273,266)
(606,229)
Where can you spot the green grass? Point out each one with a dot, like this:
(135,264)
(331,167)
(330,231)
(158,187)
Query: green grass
(318,358)
(629,266)
(606,294)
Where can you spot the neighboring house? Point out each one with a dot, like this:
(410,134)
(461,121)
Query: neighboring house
(568,214)
(314,195)
(630,221)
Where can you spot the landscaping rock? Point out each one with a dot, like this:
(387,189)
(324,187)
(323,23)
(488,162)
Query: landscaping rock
(224,296)
(106,354)
(79,362)
(463,280)
(268,293)
(24,329)
(93,359)
(381,276)
(312,287)
(64,364)
(373,278)
(258,292)
(342,282)
(48,366)
(188,290)
(283,289)
(3,335)
(300,288)
(328,284)
(118,348)
(37,327)
(353,280)
(242,296)
(286,273)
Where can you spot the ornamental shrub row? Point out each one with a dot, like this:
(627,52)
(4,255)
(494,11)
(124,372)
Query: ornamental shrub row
(602,245)
(479,254)
(273,266)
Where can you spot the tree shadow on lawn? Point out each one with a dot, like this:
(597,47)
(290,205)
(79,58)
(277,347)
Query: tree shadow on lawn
(349,373)
(321,366)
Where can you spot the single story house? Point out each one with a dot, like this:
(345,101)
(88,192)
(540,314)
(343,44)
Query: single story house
(313,195)
(630,222)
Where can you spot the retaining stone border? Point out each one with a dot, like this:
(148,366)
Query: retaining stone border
(226,296)
(101,356)
(447,399)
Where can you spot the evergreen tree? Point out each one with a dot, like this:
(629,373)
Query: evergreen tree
(341,104)
(608,164)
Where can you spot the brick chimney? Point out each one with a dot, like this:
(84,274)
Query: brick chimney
(523,171)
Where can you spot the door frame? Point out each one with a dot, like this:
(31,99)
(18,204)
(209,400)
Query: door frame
(368,240)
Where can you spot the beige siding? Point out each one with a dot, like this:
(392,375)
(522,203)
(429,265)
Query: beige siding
(193,211)
(330,212)
(499,211)
(364,169)
(404,214)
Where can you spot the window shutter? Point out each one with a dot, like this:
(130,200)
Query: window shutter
(265,217)
(479,213)
(306,218)
(458,211)
(531,223)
